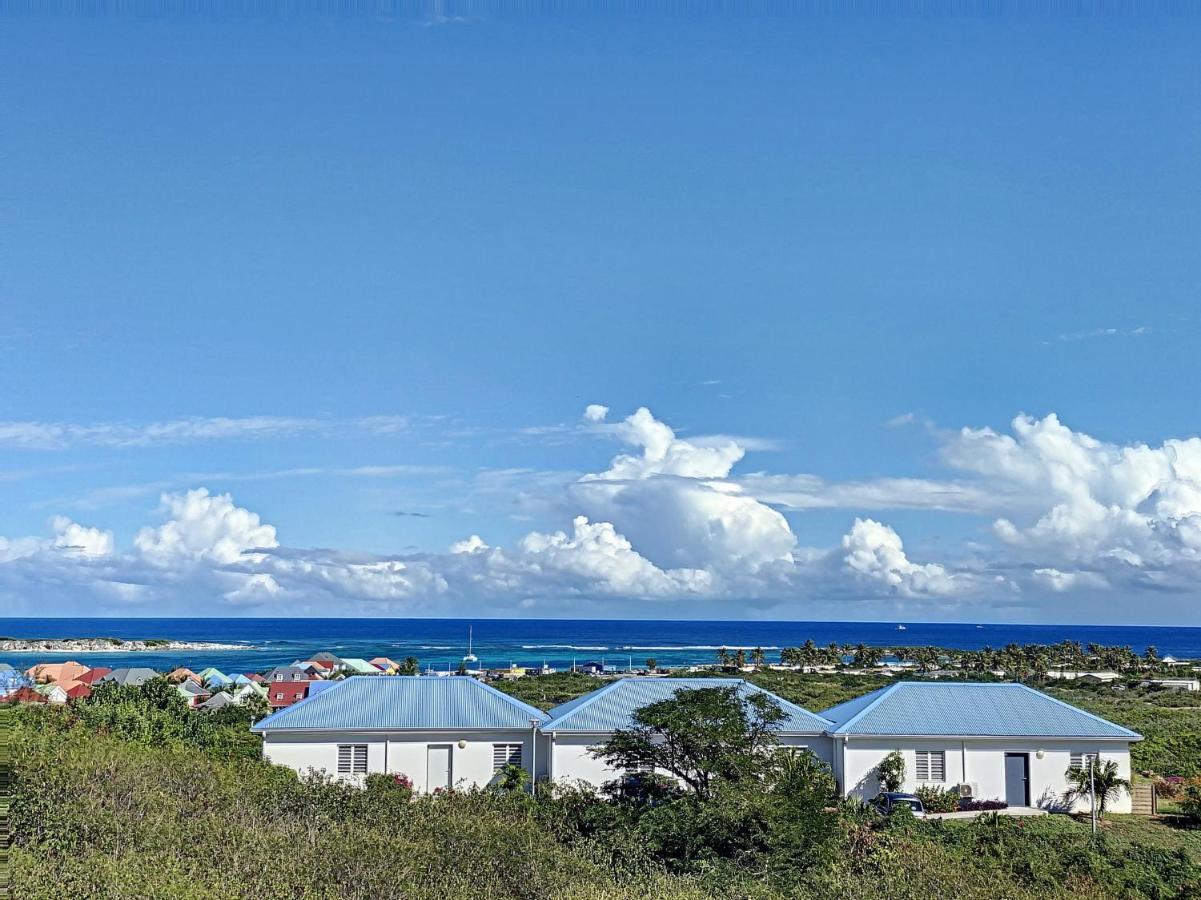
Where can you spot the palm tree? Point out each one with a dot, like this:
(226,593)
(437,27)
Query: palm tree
(1103,780)
(757,658)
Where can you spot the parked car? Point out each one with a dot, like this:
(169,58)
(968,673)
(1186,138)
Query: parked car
(887,802)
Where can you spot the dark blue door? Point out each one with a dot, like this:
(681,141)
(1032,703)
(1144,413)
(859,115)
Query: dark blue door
(1017,779)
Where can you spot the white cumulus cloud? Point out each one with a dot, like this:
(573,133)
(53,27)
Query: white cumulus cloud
(874,554)
(203,526)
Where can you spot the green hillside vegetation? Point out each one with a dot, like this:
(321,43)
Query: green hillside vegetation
(130,796)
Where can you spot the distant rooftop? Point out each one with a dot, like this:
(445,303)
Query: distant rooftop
(612,707)
(944,709)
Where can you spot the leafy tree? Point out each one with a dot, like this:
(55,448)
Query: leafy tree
(891,771)
(410,666)
(757,657)
(1104,779)
(703,737)
(652,663)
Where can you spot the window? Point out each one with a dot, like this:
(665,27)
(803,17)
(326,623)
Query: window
(1079,759)
(931,765)
(505,755)
(352,759)
(279,696)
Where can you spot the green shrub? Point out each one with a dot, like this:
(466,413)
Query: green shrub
(891,771)
(938,800)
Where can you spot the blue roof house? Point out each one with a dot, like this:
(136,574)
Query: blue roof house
(575,727)
(990,741)
(439,732)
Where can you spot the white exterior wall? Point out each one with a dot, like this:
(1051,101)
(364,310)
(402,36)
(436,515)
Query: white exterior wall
(573,763)
(403,752)
(979,761)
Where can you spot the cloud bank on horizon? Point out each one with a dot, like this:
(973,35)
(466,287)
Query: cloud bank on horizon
(671,523)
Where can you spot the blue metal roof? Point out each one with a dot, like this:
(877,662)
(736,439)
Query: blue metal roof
(612,707)
(396,703)
(911,708)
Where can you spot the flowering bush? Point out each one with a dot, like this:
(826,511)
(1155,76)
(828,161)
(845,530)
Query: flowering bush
(393,783)
(1169,786)
(967,805)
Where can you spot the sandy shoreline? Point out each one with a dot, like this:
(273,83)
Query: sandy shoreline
(105,645)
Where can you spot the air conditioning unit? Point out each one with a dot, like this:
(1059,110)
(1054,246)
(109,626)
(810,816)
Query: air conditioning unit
(968,791)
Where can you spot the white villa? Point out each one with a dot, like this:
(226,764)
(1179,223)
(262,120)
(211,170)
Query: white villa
(989,741)
(440,732)
(992,741)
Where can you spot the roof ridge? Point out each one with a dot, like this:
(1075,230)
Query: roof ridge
(786,702)
(881,693)
(588,699)
(520,704)
(1085,712)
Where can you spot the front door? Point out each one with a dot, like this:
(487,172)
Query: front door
(438,773)
(1017,779)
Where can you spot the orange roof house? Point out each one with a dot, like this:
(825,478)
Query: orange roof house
(53,673)
(183,673)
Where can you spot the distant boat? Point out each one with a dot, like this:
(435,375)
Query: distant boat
(902,628)
(470,657)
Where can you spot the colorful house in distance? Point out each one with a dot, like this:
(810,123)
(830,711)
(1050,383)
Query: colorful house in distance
(214,678)
(130,677)
(287,673)
(353,666)
(92,676)
(183,673)
(52,673)
(285,693)
(247,691)
(328,660)
(385,665)
(24,694)
(53,692)
(79,691)
(193,692)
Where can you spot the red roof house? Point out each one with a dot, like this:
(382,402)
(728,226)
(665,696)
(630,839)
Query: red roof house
(285,693)
(91,676)
(24,695)
(79,691)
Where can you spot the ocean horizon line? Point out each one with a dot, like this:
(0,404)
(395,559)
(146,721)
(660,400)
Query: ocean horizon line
(739,622)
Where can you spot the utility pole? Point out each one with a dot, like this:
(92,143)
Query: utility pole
(1092,792)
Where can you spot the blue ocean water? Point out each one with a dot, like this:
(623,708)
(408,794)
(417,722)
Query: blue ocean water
(441,643)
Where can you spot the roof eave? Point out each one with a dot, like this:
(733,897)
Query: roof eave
(388,730)
(1131,738)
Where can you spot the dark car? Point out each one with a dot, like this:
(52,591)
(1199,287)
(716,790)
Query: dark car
(891,800)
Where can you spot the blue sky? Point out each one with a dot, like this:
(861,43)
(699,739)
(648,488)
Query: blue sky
(346,270)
